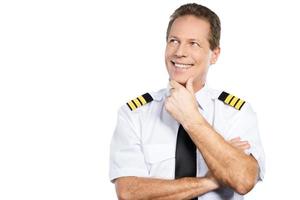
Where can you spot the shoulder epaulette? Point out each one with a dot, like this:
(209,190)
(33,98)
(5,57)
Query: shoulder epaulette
(139,101)
(231,100)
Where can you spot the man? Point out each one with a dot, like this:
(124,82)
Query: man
(187,141)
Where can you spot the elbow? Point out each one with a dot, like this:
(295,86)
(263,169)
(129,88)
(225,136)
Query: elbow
(246,182)
(244,188)
(247,178)
(123,195)
(122,189)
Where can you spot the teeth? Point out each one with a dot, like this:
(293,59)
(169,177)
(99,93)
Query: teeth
(182,65)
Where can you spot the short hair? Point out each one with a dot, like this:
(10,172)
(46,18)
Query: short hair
(201,12)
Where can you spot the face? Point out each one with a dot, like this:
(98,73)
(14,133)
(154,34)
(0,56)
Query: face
(188,52)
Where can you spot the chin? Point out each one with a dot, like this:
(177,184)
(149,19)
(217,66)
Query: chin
(181,80)
(180,76)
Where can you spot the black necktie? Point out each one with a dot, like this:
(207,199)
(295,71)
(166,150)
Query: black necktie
(185,158)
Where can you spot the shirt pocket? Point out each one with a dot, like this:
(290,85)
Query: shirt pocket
(160,160)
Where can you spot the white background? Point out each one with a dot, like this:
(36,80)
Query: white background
(66,67)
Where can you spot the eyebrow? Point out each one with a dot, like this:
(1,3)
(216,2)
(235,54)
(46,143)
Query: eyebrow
(171,36)
(195,40)
(191,39)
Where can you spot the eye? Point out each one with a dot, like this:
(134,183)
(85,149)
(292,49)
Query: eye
(195,44)
(173,41)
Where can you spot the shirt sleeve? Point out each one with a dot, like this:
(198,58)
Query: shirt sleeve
(245,126)
(126,156)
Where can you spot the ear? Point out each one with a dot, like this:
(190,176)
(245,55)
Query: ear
(215,55)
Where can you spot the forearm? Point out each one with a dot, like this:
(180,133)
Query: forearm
(161,189)
(229,165)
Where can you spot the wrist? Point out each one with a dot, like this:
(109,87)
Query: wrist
(194,122)
(209,183)
(213,184)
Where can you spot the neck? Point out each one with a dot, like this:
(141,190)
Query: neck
(198,86)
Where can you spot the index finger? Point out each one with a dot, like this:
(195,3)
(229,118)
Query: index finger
(175,84)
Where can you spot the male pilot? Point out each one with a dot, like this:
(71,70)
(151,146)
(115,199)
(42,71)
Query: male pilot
(187,141)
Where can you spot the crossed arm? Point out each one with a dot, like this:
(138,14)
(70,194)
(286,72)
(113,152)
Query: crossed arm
(161,189)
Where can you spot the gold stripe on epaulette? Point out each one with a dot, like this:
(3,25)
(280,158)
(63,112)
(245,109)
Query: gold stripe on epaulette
(233,101)
(137,102)
(227,100)
(141,98)
(131,105)
(240,104)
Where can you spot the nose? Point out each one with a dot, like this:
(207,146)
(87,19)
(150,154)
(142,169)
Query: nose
(181,50)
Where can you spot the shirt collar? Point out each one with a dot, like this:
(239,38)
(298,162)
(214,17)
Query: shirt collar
(204,97)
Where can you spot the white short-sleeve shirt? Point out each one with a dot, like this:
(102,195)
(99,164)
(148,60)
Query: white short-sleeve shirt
(144,140)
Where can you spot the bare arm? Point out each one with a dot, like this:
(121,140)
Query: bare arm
(160,189)
(228,164)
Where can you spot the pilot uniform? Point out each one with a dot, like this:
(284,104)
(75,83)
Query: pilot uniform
(144,140)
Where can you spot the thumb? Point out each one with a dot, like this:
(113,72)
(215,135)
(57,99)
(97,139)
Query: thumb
(189,85)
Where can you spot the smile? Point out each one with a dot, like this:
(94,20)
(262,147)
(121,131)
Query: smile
(181,65)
